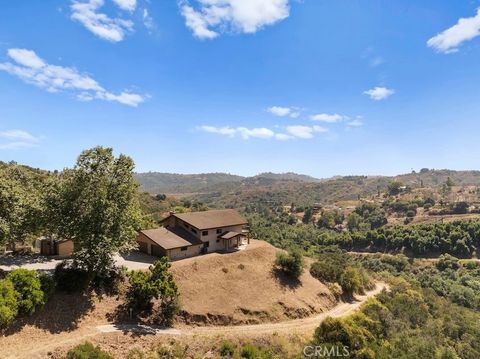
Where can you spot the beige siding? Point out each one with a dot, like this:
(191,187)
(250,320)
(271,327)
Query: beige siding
(65,249)
(190,251)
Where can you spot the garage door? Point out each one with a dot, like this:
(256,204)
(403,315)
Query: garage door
(157,251)
(143,247)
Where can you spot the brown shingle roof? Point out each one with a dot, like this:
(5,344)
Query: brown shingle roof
(212,219)
(230,235)
(169,238)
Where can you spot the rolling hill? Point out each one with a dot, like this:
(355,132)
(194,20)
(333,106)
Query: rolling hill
(225,190)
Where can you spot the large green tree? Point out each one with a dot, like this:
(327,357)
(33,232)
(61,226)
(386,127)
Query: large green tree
(21,198)
(97,207)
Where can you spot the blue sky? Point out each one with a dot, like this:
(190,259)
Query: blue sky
(243,86)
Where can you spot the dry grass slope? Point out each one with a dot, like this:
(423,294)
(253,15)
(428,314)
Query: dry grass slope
(242,287)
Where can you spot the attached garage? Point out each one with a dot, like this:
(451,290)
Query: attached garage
(158,251)
(175,243)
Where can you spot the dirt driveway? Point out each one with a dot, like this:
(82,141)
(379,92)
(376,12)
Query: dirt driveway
(133,261)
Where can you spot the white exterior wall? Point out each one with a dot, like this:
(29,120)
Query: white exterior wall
(212,237)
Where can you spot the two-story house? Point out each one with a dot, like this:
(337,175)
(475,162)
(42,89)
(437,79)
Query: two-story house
(189,234)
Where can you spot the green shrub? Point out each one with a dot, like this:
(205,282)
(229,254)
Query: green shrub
(326,271)
(47,284)
(291,263)
(69,278)
(87,351)
(29,290)
(141,291)
(8,303)
(333,331)
(110,279)
(250,351)
(471,264)
(447,261)
(227,349)
(351,281)
(158,283)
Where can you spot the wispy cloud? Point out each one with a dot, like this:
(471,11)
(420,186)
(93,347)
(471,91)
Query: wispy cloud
(449,40)
(148,20)
(17,139)
(127,5)
(291,132)
(105,27)
(379,93)
(355,123)
(208,18)
(329,118)
(374,60)
(29,67)
(280,111)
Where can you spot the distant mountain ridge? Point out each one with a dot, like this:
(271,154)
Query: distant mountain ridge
(161,182)
(223,189)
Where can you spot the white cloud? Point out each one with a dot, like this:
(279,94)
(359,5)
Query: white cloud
(26,58)
(279,111)
(304,132)
(17,139)
(292,132)
(127,5)
(355,123)
(243,132)
(100,24)
(283,136)
(379,93)
(211,17)
(330,118)
(284,111)
(29,67)
(449,40)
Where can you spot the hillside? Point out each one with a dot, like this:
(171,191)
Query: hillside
(173,183)
(223,190)
(156,182)
(241,287)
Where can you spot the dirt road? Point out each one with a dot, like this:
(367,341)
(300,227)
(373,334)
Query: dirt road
(304,324)
(40,347)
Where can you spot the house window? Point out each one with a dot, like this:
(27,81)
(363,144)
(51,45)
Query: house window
(218,240)
(206,244)
(184,249)
(186,225)
(219,230)
(194,231)
(205,233)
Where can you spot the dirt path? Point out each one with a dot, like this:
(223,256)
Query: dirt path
(40,347)
(304,324)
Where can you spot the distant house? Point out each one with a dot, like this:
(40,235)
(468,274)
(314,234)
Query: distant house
(190,234)
(56,247)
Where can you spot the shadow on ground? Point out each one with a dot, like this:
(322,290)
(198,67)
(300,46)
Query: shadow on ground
(21,260)
(286,280)
(61,313)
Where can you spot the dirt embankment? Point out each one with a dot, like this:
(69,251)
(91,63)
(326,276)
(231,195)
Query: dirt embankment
(243,288)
